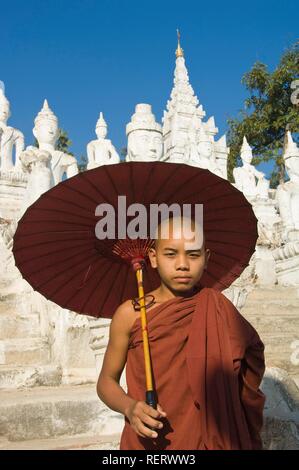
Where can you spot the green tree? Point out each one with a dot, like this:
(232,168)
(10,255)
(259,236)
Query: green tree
(64,142)
(267,113)
(123,153)
(82,163)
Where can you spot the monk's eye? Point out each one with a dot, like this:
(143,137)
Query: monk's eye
(170,254)
(194,255)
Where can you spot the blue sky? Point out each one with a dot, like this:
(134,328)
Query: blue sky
(91,56)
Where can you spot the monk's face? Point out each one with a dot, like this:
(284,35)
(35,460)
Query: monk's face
(180,261)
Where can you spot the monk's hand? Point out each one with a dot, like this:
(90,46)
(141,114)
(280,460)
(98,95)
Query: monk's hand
(144,419)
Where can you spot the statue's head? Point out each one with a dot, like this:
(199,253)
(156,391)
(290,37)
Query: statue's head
(4,107)
(205,145)
(291,156)
(145,145)
(292,166)
(46,129)
(246,151)
(144,135)
(101,127)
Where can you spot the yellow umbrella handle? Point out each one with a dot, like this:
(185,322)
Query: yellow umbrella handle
(150,395)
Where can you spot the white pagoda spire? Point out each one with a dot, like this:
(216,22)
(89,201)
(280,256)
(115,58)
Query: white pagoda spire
(182,111)
(186,137)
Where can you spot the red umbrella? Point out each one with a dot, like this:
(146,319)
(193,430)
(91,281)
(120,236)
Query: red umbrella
(58,253)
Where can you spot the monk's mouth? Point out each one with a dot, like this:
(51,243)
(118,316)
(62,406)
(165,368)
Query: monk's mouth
(183,279)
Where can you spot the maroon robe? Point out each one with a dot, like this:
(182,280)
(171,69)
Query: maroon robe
(208,363)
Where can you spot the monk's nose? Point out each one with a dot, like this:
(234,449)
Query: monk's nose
(182,263)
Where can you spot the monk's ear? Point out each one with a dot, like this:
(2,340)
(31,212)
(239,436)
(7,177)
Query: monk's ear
(152,257)
(208,254)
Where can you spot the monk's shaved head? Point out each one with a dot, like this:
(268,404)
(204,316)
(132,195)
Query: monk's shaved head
(180,227)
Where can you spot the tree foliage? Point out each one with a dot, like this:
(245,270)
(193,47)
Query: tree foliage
(267,112)
(64,143)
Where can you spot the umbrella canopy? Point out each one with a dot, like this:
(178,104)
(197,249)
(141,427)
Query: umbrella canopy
(57,251)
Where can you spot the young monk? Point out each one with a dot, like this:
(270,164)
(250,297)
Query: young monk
(207,361)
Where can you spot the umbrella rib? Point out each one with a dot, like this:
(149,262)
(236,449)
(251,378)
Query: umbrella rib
(111,180)
(215,184)
(210,199)
(48,243)
(96,260)
(72,203)
(147,182)
(65,184)
(103,274)
(108,292)
(165,182)
(75,190)
(227,218)
(245,206)
(124,284)
(224,255)
(91,258)
(63,222)
(96,188)
(197,194)
(226,243)
(62,212)
(132,181)
(120,290)
(125,267)
(231,231)
(88,297)
(238,260)
(51,231)
(212,261)
(53,264)
(217,280)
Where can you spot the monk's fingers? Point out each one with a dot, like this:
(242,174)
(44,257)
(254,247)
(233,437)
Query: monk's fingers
(144,431)
(151,422)
(150,411)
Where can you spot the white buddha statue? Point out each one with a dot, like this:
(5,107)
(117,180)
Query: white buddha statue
(288,193)
(101,151)
(46,132)
(206,153)
(37,163)
(248,179)
(191,155)
(10,139)
(145,141)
